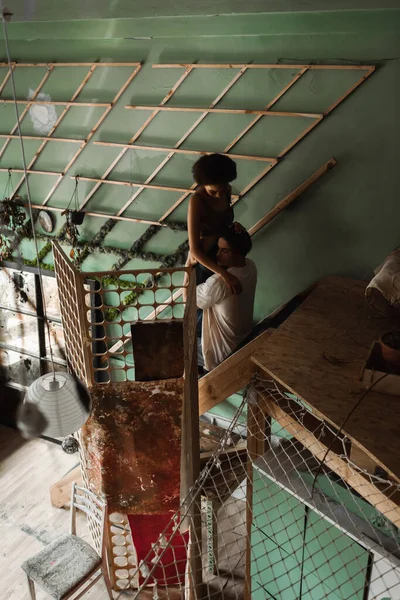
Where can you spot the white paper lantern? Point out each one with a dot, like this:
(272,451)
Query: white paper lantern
(55,405)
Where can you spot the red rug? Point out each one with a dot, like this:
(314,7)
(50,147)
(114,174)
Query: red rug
(146,529)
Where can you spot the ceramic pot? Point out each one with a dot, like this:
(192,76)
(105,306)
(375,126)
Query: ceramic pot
(77,217)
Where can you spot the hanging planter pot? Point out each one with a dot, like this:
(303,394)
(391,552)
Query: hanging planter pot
(74,216)
(77,217)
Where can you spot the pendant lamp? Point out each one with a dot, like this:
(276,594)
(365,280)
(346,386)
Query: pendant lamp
(55,405)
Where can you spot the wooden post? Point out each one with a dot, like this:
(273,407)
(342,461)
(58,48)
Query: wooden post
(255,448)
(190,460)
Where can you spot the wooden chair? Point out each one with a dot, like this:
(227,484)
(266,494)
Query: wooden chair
(63,567)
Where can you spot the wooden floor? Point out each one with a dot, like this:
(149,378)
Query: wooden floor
(28,522)
(27,519)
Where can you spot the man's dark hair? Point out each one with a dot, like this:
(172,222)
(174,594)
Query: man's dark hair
(239,242)
(214,169)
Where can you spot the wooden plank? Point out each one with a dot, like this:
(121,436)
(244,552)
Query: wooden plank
(232,452)
(334,440)
(41,138)
(230,376)
(60,492)
(354,479)
(190,456)
(126,183)
(230,111)
(293,196)
(317,354)
(261,66)
(100,215)
(255,420)
(161,149)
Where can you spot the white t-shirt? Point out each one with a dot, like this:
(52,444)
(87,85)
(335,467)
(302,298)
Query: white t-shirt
(227,318)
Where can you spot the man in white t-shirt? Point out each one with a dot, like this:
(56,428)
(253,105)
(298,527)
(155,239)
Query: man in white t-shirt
(227,317)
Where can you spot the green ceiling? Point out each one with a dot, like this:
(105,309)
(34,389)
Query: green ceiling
(326,231)
(314,93)
(59,10)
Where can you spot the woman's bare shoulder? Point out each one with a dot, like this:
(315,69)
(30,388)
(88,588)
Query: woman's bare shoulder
(196,200)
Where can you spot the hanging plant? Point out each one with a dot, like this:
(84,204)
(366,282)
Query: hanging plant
(75,216)
(5,248)
(12,213)
(72,235)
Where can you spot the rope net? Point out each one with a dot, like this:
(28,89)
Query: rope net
(269,518)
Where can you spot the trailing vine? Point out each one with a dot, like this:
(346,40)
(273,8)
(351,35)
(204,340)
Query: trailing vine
(23,230)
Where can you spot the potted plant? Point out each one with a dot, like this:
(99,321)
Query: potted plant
(74,216)
(77,217)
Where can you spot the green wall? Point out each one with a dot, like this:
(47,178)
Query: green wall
(334,566)
(347,222)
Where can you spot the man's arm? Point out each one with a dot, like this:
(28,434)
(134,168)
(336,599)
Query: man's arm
(211,292)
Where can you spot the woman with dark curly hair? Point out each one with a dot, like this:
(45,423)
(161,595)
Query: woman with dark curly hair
(210,214)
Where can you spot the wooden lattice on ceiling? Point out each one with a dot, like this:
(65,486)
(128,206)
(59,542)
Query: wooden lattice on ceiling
(166,153)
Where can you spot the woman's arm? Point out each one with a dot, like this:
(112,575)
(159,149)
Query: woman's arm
(196,248)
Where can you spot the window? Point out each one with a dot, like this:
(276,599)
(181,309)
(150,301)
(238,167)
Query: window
(24,342)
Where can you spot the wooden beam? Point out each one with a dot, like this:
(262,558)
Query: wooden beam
(41,138)
(57,103)
(230,376)
(100,215)
(292,196)
(60,492)
(354,479)
(125,183)
(238,450)
(31,172)
(173,150)
(70,64)
(256,447)
(262,66)
(229,111)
